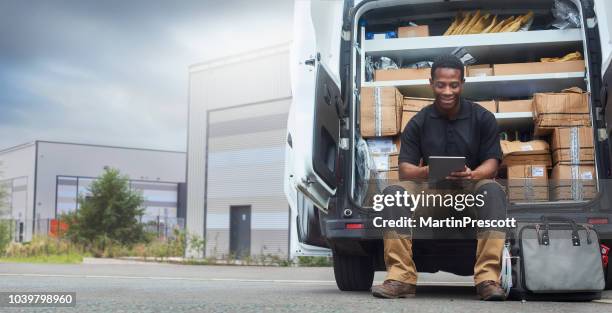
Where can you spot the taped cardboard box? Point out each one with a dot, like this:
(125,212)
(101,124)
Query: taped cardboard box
(527,182)
(380,111)
(573,145)
(479,70)
(490,105)
(564,109)
(538,68)
(389,175)
(530,152)
(402,74)
(413,31)
(573,182)
(515,106)
(411,107)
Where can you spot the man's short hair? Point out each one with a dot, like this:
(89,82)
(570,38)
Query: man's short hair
(447,61)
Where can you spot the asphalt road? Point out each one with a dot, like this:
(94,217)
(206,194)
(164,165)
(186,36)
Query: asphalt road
(151,287)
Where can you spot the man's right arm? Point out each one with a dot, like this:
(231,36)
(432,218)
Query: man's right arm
(410,152)
(409,171)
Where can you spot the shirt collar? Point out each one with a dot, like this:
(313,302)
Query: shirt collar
(464,110)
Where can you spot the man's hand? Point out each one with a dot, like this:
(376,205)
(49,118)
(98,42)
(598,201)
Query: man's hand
(467,173)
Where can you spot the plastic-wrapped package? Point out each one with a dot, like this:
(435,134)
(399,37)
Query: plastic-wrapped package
(422,64)
(369,68)
(566,15)
(464,56)
(385,63)
(365,171)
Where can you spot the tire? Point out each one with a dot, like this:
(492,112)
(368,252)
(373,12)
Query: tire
(352,272)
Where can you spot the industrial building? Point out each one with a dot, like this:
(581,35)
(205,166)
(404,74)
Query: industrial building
(44,179)
(238,108)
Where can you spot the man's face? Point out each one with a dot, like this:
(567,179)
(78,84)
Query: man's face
(447,86)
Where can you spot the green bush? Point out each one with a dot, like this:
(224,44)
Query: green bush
(5,235)
(314,261)
(109,217)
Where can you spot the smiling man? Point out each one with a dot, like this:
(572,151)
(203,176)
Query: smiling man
(451,126)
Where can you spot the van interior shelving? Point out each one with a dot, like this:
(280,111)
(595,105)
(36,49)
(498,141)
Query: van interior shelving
(539,41)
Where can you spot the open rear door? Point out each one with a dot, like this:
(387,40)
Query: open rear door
(603,13)
(313,123)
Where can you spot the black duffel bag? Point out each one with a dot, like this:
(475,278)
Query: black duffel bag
(556,259)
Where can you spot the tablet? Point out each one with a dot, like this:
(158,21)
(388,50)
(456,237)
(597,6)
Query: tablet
(441,166)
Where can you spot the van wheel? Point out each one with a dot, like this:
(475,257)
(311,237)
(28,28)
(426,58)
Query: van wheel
(353,272)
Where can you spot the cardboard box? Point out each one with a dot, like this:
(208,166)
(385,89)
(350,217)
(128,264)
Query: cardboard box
(411,107)
(510,148)
(402,74)
(413,31)
(538,68)
(479,70)
(416,104)
(528,183)
(389,175)
(573,145)
(544,159)
(521,153)
(573,182)
(490,105)
(380,111)
(406,116)
(564,109)
(515,106)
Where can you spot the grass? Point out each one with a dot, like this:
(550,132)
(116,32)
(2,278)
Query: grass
(70,258)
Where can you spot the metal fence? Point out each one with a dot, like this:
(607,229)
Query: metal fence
(21,230)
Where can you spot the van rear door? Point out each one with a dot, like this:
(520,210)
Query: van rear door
(603,12)
(313,123)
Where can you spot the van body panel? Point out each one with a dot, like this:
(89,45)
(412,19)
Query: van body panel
(333,223)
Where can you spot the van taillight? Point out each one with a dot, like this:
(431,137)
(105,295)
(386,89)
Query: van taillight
(597,220)
(353,226)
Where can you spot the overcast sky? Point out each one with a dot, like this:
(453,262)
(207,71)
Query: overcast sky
(115,72)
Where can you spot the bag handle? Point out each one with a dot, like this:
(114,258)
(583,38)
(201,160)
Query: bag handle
(546,220)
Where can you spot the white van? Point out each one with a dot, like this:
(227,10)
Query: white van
(323,164)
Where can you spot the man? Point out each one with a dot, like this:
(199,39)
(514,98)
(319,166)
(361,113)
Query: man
(451,126)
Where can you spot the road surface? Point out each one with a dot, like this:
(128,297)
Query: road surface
(153,287)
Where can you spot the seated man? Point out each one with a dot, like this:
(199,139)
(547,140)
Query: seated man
(451,126)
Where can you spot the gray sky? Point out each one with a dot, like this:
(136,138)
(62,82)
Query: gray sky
(115,72)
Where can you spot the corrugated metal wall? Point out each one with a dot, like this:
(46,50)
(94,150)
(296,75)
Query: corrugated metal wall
(245,163)
(238,106)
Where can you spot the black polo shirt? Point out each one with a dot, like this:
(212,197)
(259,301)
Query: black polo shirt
(473,133)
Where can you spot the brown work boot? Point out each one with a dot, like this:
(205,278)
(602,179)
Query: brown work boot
(392,289)
(490,290)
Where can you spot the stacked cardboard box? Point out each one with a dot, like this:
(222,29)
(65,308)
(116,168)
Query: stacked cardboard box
(573,156)
(527,164)
(527,183)
(568,108)
(573,182)
(538,68)
(411,107)
(380,111)
(515,106)
(402,74)
(479,70)
(531,152)
(413,31)
(490,105)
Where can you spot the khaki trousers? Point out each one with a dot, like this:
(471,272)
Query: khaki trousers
(399,257)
